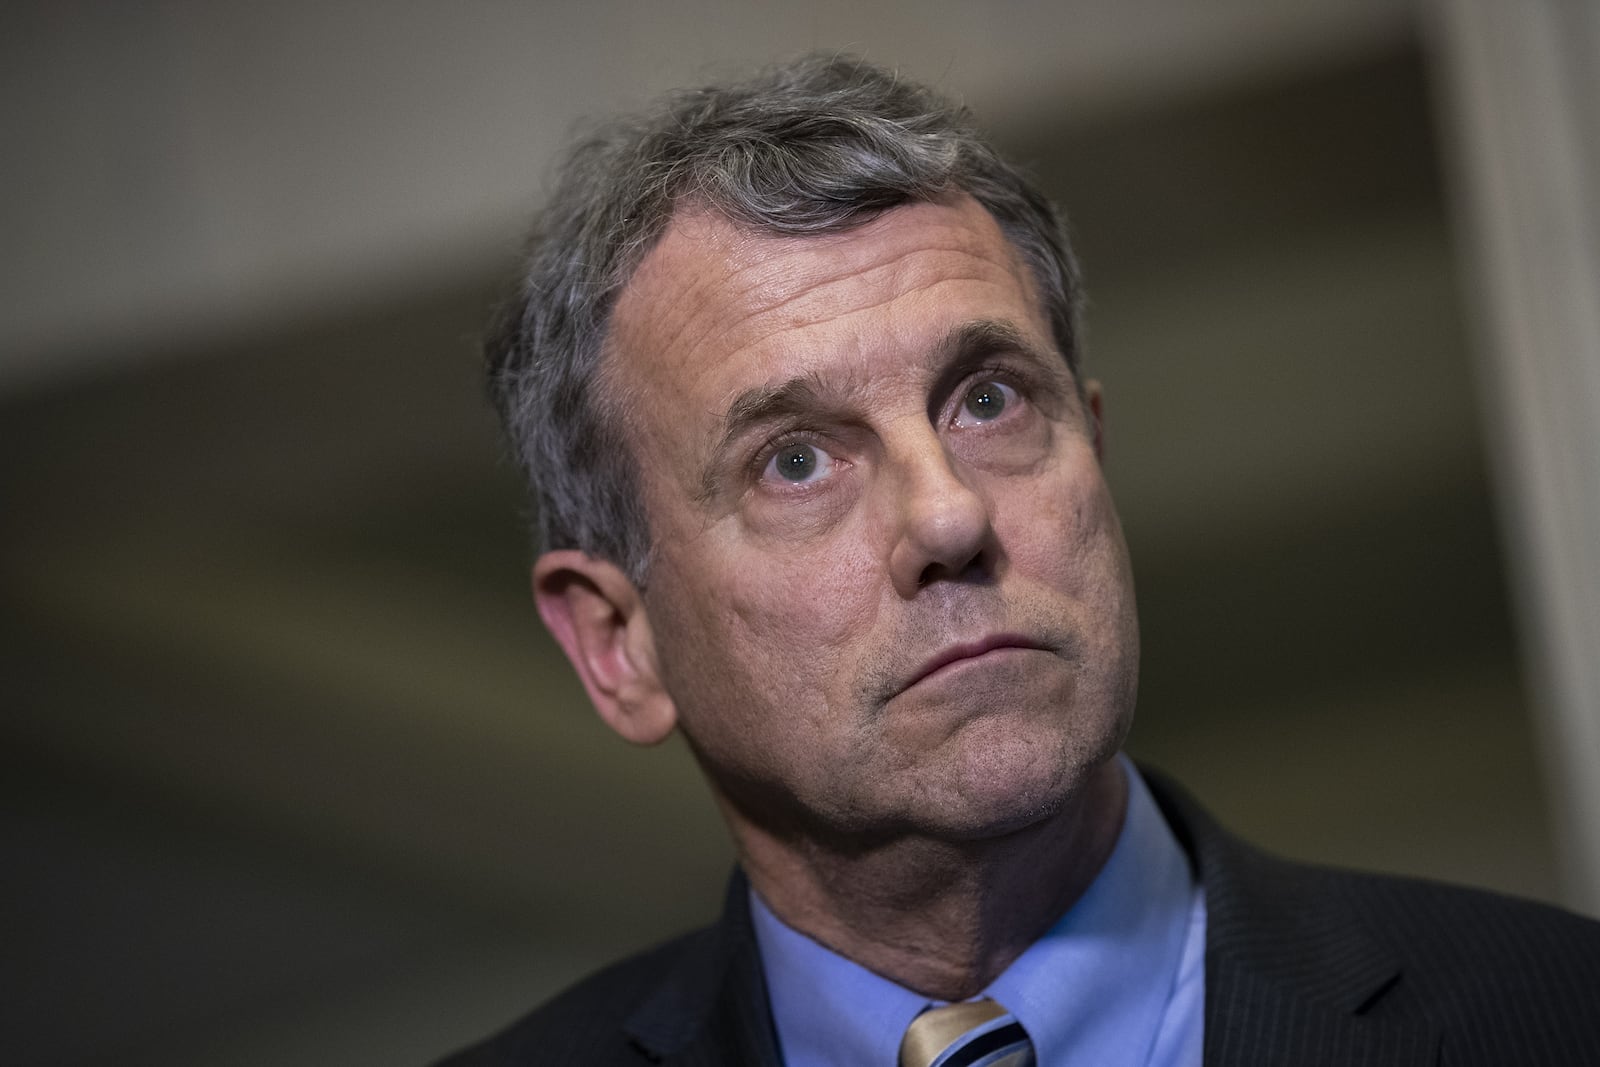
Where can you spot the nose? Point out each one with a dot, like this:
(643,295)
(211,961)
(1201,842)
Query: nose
(943,530)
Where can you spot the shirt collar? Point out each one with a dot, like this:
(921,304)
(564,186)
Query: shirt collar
(828,1009)
(1097,981)
(1097,984)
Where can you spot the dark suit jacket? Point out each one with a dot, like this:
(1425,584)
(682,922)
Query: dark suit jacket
(1304,966)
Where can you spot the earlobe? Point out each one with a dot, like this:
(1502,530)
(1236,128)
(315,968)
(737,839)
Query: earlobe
(597,616)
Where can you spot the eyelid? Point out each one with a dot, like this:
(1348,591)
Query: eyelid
(1015,402)
(762,458)
(1022,384)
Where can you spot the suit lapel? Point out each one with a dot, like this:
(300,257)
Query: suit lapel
(1251,1021)
(1292,976)
(711,1009)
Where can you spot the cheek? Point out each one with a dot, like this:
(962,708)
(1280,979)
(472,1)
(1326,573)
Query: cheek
(1063,525)
(1066,540)
(803,615)
(746,627)
(761,659)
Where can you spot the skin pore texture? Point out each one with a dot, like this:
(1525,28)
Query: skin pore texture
(889,602)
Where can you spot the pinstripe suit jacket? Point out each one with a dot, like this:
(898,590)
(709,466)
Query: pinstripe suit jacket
(1304,966)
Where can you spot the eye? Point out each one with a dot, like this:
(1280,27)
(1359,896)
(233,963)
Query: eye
(799,463)
(984,402)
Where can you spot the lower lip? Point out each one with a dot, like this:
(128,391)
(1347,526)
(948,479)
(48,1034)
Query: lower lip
(954,666)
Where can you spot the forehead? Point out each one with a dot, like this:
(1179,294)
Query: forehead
(714,309)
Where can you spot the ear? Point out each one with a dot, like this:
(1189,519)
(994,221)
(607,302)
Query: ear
(1094,397)
(597,616)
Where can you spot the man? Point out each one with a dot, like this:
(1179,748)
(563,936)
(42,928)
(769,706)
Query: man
(795,374)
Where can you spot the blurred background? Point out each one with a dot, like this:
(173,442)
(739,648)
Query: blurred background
(292,774)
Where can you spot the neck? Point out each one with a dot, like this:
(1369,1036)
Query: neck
(940,917)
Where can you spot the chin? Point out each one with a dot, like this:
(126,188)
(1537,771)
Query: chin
(1007,789)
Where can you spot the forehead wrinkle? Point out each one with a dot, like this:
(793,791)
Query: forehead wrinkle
(658,334)
(736,253)
(895,263)
(764,402)
(768,338)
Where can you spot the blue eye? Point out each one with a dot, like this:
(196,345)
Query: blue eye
(984,402)
(799,463)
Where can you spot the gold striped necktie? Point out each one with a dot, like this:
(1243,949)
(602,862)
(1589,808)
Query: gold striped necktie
(978,1033)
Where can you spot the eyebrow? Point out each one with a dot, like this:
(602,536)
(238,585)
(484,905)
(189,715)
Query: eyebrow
(800,396)
(763,404)
(955,355)
(969,344)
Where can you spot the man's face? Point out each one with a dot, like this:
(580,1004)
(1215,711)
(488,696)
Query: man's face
(889,592)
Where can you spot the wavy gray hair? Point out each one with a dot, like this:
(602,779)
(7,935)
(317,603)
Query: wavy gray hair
(816,146)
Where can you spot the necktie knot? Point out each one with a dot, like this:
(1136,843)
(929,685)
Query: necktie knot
(976,1033)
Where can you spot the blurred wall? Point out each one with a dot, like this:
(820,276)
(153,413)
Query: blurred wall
(178,169)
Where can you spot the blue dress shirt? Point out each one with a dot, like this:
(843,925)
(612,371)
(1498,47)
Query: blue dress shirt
(1118,980)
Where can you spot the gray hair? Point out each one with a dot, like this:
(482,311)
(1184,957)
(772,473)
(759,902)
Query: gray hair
(817,146)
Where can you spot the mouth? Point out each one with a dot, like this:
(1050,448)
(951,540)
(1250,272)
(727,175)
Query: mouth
(970,650)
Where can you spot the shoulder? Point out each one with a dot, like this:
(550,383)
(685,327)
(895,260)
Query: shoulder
(1471,944)
(700,997)
(1418,918)
(1497,979)
(586,1023)
(1443,920)
(1441,934)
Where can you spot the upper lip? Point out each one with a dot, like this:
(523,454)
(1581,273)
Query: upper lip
(969,650)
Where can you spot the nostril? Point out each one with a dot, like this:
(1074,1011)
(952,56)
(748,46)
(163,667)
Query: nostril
(976,569)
